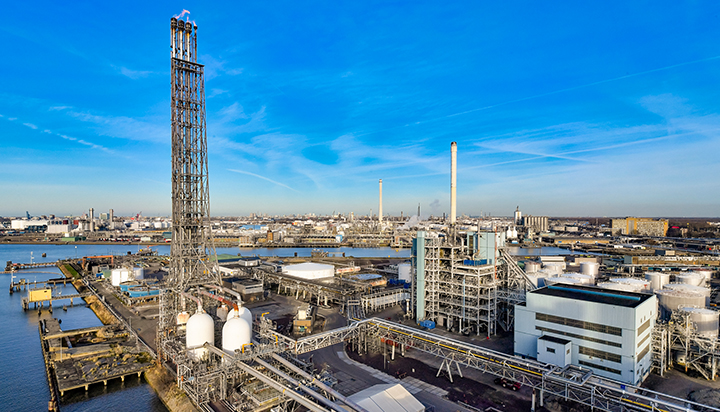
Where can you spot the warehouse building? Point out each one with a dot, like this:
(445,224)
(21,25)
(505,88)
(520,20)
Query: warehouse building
(604,330)
(640,226)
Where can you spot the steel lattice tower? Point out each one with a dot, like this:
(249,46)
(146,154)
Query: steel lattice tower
(192,245)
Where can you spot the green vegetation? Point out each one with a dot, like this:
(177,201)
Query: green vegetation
(71,270)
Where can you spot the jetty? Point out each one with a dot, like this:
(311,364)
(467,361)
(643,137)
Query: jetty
(76,359)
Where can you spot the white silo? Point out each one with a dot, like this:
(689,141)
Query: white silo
(404,272)
(670,300)
(583,278)
(236,333)
(691,288)
(690,278)
(554,267)
(590,268)
(532,266)
(200,330)
(706,273)
(243,313)
(705,321)
(657,280)
(138,273)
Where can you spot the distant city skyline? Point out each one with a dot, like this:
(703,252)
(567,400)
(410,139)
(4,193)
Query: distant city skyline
(563,109)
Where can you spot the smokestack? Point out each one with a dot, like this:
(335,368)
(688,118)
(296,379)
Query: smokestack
(92,219)
(112,212)
(380,212)
(453,182)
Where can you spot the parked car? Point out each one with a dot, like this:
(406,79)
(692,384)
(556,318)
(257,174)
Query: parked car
(507,383)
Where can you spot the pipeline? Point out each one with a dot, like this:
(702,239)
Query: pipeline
(220,298)
(195,299)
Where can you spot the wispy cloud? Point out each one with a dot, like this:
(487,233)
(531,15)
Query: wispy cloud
(30,125)
(134,74)
(262,177)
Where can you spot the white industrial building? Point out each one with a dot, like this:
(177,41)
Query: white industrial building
(309,270)
(608,331)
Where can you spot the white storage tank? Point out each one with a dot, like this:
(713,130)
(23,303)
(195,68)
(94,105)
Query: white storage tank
(642,284)
(243,313)
(657,280)
(555,268)
(690,278)
(235,333)
(705,321)
(620,286)
(222,312)
(138,273)
(670,300)
(561,279)
(404,272)
(532,266)
(590,268)
(182,318)
(706,273)
(309,270)
(200,329)
(691,288)
(583,278)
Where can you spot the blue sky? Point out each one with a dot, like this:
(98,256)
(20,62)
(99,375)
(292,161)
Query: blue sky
(562,108)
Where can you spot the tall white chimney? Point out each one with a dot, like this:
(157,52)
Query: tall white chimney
(453,182)
(92,219)
(380,212)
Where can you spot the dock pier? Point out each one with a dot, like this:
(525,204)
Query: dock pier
(26,300)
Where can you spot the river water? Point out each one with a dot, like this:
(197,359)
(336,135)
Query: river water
(23,382)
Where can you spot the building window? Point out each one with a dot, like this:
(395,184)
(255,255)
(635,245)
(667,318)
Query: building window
(644,340)
(643,353)
(595,353)
(643,327)
(551,350)
(603,368)
(576,336)
(611,330)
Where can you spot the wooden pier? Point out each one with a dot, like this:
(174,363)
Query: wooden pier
(27,300)
(78,365)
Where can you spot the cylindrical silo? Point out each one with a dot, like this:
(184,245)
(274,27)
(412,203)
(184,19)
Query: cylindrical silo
(590,268)
(657,280)
(705,321)
(691,288)
(706,273)
(670,300)
(242,312)
(200,329)
(690,278)
(532,266)
(554,267)
(583,278)
(404,272)
(642,284)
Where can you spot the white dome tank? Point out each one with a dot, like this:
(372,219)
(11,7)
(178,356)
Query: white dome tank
(583,278)
(235,333)
(200,330)
(642,284)
(243,314)
(691,288)
(590,268)
(620,286)
(670,300)
(691,278)
(404,272)
(182,318)
(706,321)
(532,266)
(555,267)
(657,280)
(561,279)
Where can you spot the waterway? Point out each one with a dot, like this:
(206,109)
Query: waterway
(23,381)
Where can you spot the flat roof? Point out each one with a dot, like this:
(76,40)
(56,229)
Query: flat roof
(594,294)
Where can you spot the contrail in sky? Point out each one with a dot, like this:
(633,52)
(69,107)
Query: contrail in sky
(263,178)
(568,89)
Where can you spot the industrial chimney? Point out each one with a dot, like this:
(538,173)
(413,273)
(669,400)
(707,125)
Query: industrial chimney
(453,182)
(380,211)
(92,219)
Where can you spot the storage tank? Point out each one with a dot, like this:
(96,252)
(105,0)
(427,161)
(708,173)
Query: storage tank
(200,330)
(404,272)
(657,280)
(642,284)
(670,300)
(235,333)
(590,268)
(561,279)
(138,273)
(244,313)
(583,278)
(119,276)
(626,287)
(532,266)
(706,273)
(309,270)
(222,312)
(690,278)
(691,288)
(555,267)
(537,279)
(182,318)
(705,321)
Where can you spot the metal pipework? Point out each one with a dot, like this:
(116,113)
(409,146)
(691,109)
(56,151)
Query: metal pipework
(193,298)
(302,387)
(282,389)
(220,298)
(321,385)
(453,182)
(228,291)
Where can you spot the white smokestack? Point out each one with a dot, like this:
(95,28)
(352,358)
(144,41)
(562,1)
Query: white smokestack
(380,212)
(92,219)
(453,182)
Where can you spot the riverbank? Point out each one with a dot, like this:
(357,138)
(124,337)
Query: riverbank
(165,386)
